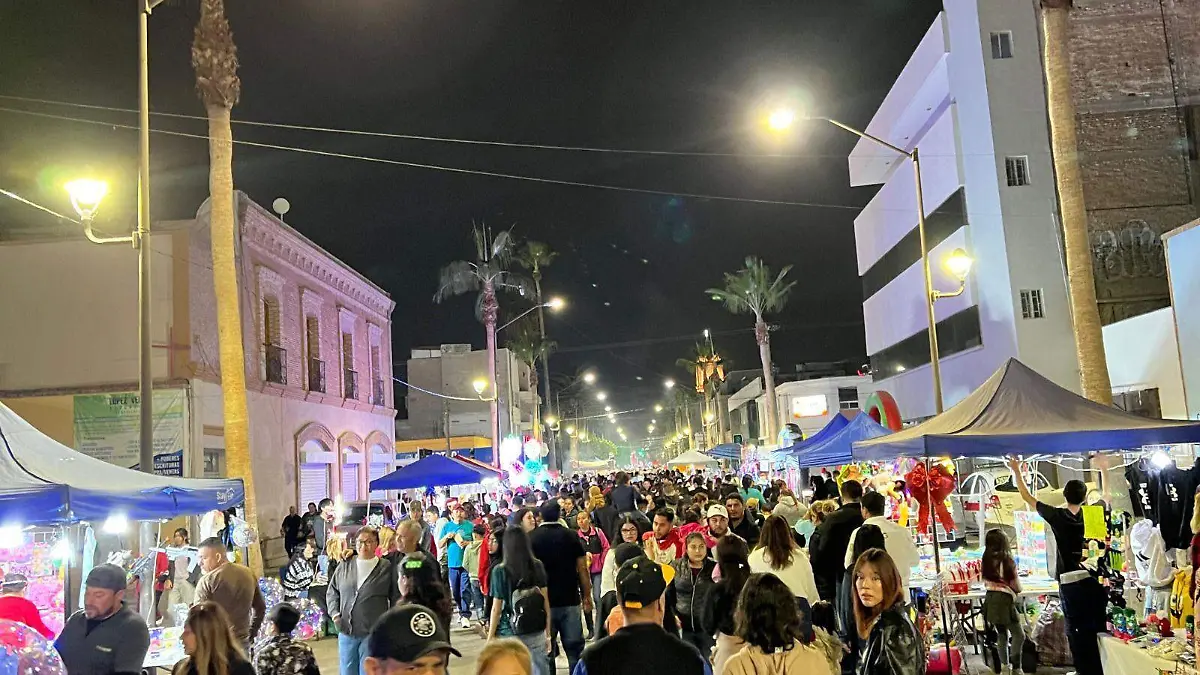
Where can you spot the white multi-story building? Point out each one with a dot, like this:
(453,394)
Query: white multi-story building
(317,340)
(452,369)
(809,404)
(971,99)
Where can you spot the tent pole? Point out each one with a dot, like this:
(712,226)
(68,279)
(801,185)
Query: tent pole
(939,586)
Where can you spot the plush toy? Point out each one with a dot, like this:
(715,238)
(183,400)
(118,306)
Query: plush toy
(849,472)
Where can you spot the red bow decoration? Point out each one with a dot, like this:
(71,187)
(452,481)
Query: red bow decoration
(940,484)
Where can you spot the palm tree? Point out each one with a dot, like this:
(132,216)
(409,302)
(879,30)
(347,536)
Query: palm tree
(533,256)
(1077,250)
(214,58)
(488,273)
(528,345)
(752,289)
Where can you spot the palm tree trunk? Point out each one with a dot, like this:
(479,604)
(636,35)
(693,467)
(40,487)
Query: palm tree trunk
(490,310)
(229,321)
(532,384)
(552,437)
(1081,283)
(763,336)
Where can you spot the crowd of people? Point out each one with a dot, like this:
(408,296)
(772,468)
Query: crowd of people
(703,574)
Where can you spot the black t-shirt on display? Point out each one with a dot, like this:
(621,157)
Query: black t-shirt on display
(1173,503)
(1143,490)
(559,549)
(1068,537)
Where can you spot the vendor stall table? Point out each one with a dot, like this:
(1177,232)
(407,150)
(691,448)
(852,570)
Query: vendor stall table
(1118,657)
(970,618)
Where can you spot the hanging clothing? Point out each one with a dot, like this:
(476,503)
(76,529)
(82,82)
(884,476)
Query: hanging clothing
(1143,489)
(1173,504)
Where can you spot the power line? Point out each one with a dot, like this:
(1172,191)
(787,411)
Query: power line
(437,395)
(416,137)
(450,169)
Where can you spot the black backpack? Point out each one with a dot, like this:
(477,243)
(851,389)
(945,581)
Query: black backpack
(528,609)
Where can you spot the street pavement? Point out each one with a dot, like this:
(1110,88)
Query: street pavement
(468,642)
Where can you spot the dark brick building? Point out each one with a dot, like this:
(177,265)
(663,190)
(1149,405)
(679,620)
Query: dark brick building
(1136,79)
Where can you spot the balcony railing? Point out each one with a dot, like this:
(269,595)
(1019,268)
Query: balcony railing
(350,384)
(377,392)
(316,375)
(276,364)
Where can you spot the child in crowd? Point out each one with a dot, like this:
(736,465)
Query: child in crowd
(471,563)
(1000,605)
(280,652)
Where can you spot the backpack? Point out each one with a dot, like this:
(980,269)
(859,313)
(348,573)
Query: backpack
(528,610)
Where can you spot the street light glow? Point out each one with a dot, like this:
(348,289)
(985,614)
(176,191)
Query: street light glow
(601,396)
(709,417)
(958,264)
(86,195)
(608,408)
(551,420)
(669,384)
(589,378)
(556,303)
(781,119)
(480,385)
(570,431)
(658,407)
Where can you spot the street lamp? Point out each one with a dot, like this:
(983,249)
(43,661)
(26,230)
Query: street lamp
(782,119)
(589,377)
(86,195)
(669,383)
(608,408)
(601,396)
(658,407)
(554,304)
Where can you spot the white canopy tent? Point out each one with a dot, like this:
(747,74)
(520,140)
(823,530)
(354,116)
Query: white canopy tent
(693,458)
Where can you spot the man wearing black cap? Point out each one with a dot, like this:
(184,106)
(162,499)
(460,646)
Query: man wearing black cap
(408,639)
(106,637)
(642,643)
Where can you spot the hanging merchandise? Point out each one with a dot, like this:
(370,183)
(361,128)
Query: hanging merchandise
(35,557)
(937,484)
(1032,559)
(1143,487)
(1181,598)
(1094,524)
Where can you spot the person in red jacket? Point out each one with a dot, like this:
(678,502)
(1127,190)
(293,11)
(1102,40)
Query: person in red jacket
(663,544)
(15,607)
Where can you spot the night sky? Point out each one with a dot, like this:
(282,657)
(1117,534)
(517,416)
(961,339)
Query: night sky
(683,75)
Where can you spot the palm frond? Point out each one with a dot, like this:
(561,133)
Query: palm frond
(752,289)
(455,279)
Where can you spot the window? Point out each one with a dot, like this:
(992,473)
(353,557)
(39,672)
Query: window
(1002,47)
(349,375)
(1016,170)
(848,398)
(315,366)
(1031,304)
(274,355)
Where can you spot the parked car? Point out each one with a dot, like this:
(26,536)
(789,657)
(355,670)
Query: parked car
(354,515)
(993,491)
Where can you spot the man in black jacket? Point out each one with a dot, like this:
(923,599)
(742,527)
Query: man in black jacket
(831,539)
(742,522)
(642,644)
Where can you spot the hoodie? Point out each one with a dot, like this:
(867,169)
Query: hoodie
(471,558)
(789,509)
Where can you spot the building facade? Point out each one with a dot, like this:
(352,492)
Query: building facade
(809,404)
(970,98)
(316,334)
(451,369)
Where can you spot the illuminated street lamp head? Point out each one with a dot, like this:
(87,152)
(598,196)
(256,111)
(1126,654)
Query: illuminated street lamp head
(86,195)
(781,119)
(480,385)
(556,303)
(669,384)
(608,408)
(709,417)
(589,378)
(705,332)
(601,396)
(958,264)
(551,420)
(658,408)
(570,431)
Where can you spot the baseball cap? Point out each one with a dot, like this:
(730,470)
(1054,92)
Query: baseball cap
(106,576)
(13,581)
(407,633)
(717,510)
(641,581)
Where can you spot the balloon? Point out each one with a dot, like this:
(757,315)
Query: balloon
(243,535)
(23,651)
(310,619)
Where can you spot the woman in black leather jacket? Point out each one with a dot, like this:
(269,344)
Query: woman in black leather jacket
(893,646)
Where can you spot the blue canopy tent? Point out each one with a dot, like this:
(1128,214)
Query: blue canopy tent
(43,482)
(431,471)
(836,448)
(1017,411)
(834,425)
(725,451)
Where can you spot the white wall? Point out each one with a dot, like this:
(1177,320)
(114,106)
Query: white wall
(1142,353)
(70,313)
(825,386)
(1183,268)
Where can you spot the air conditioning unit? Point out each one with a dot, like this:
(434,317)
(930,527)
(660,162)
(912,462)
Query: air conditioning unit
(455,350)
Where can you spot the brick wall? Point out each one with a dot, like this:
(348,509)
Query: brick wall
(1134,66)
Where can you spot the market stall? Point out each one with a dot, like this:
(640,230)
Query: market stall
(1017,411)
(432,471)
(692,458)
(835,448)
(47,488)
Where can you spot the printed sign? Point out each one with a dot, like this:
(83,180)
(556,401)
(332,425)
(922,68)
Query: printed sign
(106,427)
(814,405)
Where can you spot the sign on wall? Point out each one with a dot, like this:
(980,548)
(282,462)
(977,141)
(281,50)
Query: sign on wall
(814,405)
(106,427)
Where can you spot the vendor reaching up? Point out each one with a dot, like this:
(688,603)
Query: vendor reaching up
(1065,522)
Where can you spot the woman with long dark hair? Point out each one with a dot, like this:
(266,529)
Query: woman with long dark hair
(779,641)
(517,580)
(1003,587)
(495,555)
(629,531)
(523,518)
(893,646)
(866,538)
(778,554)
(421,584)
(734,565)
(210,645)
